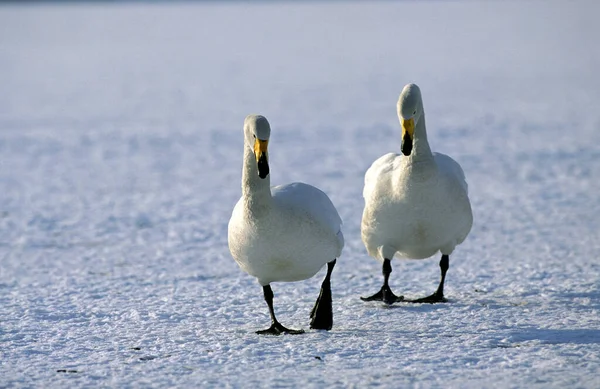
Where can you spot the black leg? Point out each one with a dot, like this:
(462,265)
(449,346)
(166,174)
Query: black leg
(322,313)
(276,327)
(385,294)
(438,296)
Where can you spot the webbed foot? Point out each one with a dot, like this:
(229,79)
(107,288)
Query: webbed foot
(322,313)
(434,298)
(278,329)
(386,295)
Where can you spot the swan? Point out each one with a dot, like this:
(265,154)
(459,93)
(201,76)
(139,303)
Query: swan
(416,204)
(284,233)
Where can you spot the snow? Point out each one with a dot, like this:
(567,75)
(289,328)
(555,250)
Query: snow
(120,163)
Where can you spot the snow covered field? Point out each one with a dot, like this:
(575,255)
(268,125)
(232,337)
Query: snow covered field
(120,163)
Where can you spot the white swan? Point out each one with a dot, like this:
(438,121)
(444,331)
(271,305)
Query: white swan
(416,204)
(285,233)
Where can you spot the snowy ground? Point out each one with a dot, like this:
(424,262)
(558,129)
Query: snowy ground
(120,163)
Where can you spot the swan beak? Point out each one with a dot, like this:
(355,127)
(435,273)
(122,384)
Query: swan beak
(408,132)
(260,151)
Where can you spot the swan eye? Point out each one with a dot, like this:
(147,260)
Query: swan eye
(415,112)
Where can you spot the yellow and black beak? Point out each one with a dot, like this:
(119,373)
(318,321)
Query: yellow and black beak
(408,132)
(260,151)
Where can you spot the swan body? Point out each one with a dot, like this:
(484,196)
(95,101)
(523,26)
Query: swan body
(290,239)
(413,210)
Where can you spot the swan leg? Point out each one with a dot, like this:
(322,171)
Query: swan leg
(438,296)
(322,313)
(276,327)
(385,294)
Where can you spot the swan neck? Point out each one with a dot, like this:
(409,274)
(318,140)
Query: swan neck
(256,191)
(421,150)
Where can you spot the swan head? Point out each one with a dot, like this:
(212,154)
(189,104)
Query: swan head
(410,111)
(257,132)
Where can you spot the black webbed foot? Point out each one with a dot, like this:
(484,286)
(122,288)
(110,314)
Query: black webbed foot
(438,296)
(386,295)
(434,298)
(278,329)
(322,313)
